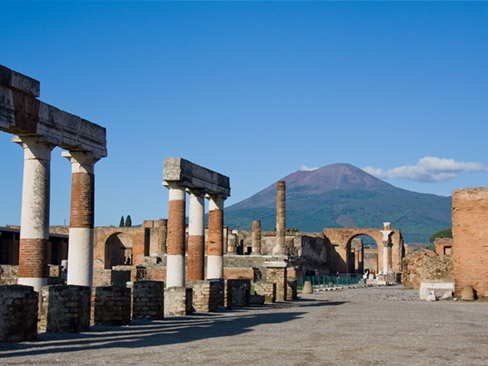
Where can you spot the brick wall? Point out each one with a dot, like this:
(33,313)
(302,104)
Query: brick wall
(18,313)
(110,305)
(64,308)
(425,265)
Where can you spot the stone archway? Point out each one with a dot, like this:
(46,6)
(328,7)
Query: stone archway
(362,256)
(118,250)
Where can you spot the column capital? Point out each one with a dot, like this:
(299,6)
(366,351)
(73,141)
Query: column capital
(386,235)
(37,147)
(81,162)
(196,192)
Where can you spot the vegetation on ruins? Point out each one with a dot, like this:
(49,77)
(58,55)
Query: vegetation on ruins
(447,233)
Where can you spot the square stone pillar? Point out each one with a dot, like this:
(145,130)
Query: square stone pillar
(276,273)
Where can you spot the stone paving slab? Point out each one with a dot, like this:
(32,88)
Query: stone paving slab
(363,326)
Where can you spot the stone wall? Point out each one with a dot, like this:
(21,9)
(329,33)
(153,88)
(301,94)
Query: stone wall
(178,301)
(18,313)
(268,290)
(278,276)
(470,233)
(239,273)
(8,274)
(110,305)
(148,300)
(426,265)
(237,293)
(443,246)
(64,308)
(208,295)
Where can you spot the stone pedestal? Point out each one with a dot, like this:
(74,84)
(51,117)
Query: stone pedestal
(268,290)
(18,313)
(208,295)
(148,300)
(110,305)
(307,288)
(275,272)
(237,293)
(178,301)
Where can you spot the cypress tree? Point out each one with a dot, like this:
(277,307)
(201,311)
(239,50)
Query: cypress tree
(128,221)
(122,222)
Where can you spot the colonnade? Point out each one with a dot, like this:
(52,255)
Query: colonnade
(175,266)
(34,229)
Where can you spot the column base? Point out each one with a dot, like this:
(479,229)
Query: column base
(178,301)
(36,282)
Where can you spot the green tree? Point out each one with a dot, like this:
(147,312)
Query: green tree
(441,234)
(122,222)
(128,221)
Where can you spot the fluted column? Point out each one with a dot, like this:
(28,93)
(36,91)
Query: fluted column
(215,242)
(256,237)
(175,266)
(196,233)
(34,226)
(280,246)
(80,243)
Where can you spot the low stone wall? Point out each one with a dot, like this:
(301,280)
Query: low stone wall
(110,305)
(208,295)
(148,300)
(268,290)
(18,313)
(237,293)
(64,308)
(426,265)
(291,290)
(178,301)
(8,274)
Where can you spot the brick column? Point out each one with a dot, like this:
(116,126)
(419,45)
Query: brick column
(256,237)
(34,227)
(196,234)
(215,242)
(175,266)
(279,248)
(80,244)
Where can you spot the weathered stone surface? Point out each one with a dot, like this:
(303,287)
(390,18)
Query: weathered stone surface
(440,290)
(16,80)
(467,294)
(110,305)
(426,265)
(178,301)
(291,289)
(8,274)
(148,300)
(208,295)
(18,313)
(64,308)
(268,290)
(307,287)
(276,273)
(190,175)
(237,293)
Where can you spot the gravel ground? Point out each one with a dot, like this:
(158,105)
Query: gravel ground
(367,326)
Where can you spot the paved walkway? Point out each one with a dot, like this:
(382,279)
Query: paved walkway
(370,326)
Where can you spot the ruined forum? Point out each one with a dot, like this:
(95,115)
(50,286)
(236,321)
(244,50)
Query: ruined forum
(57,279)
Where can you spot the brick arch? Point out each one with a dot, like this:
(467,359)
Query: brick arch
(340,240)
(118,249)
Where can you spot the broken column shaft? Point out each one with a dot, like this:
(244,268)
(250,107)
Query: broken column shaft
(256,237)
(279,248)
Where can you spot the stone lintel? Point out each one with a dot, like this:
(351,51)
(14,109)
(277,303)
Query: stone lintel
(184,173)
(16,80)
(27,116)
(276,264)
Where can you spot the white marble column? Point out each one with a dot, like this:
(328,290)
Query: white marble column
(34,226)
(80,244)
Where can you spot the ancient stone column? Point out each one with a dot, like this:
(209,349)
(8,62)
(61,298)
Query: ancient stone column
(34,227)
(386,247)
(279,248)
(196,244)
(175,265)
(215,242)
(80,244)
(232,243)
(256,237)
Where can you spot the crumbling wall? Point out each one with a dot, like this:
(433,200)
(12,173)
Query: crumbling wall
(426,265)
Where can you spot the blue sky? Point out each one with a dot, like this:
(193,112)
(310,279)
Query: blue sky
(253,90)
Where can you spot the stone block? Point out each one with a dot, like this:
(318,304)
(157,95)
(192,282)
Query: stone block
(268,290)
(307,287)
(292,289)
(148,300)
(178,301)
(237,293)
(64,308)
(208,295)
(277,273)
(110,305)
(18,313)
(16,80)
(436,289)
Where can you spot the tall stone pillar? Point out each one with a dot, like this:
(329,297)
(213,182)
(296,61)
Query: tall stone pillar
(256,237)
(175,265)
(196,234)
(34,226)
(80,243)
(215,242)
(280,246)
(386,247)
(232,243)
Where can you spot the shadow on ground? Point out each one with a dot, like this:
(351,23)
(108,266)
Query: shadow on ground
(159,333)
